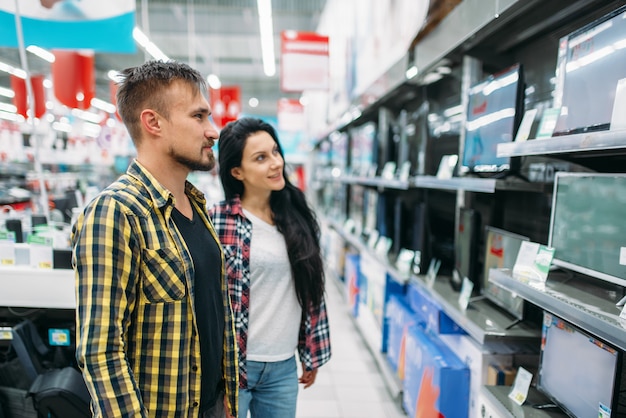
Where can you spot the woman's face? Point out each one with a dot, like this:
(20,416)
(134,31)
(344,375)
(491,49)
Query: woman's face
(261,166)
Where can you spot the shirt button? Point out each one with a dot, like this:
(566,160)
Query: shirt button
(194,368)
(195,404)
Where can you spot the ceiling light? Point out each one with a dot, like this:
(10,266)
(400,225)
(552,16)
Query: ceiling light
(253,102)
(102,105)
(7,92)
(150,47)
(411,72)
(41,53)
(266,27)
(214,81)
(8,107)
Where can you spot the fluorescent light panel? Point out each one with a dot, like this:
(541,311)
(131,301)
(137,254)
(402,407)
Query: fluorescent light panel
(266,27)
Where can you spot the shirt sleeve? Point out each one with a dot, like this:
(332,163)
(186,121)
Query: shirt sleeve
(106,260)
(314,341)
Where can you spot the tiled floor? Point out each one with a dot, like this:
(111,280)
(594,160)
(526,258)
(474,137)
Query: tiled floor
(350,384)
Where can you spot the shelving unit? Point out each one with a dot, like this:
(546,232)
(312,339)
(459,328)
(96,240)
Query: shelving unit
(473,40)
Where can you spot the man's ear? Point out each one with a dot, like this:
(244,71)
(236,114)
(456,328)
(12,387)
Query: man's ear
(236,173)
(150,120)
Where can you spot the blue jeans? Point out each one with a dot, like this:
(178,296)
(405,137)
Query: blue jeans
(272,390)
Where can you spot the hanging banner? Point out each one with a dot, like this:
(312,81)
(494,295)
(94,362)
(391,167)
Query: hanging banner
(73,78)
(103,26)
(304,61)
(225,104)
(20,100)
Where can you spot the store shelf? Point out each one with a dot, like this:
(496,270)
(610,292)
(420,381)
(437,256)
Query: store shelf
(456,183)
(497,397)
(37,288)
(483,321)
(377,182)
(592,143)
(577,301)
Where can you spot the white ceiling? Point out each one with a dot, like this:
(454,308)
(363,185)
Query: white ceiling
(215,36)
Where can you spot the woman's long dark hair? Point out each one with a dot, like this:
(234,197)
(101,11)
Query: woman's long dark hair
(292,214)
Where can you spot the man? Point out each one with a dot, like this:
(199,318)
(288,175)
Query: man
(155,335)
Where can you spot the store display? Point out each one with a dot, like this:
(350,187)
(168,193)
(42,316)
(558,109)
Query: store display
(364,149)
(436,382)
(466,249)
(494,112)
(586,224)
(590,65)
(501,248)
(578,371)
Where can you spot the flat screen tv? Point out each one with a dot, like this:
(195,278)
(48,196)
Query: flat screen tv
(501,248)
(579,372)
(363,150)
(590,63)
(587,228)
(417,138)
(466,245)
(495,107)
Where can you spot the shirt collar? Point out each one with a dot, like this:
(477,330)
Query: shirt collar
(159,194)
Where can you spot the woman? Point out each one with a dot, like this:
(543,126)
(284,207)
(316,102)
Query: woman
(275,271)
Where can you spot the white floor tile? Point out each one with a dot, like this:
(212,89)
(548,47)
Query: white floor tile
(350,385)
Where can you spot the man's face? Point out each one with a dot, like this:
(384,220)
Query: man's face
(189,133)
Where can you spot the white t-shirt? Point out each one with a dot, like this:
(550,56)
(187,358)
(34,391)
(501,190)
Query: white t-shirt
(274,320)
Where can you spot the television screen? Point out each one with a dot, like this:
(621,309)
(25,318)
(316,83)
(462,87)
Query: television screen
(577,371)
(591,62)
(587,228)
(501,248)
(466,247)
(416,131)
(495,106)
(364,148)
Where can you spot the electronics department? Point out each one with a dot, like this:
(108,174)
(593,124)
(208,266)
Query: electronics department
(464,160)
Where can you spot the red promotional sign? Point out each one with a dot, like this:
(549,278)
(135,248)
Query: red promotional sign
(304,63)
(20,100)
(225,104)
(73,78)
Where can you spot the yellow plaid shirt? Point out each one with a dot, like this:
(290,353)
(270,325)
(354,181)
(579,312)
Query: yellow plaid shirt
(137,338)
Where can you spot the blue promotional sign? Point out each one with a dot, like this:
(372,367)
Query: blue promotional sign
(102,26)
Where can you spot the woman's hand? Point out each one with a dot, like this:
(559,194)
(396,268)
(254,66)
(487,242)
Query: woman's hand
(308,377)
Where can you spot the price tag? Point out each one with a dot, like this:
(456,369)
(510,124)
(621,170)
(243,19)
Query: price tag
(431,274)
(519,392)
(7,248)
(40,252)
(466,293)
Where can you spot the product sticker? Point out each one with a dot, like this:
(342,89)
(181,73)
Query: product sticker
(622,256)
(466,293)
(519,392)
(524,128)
(7,248)
(431,274)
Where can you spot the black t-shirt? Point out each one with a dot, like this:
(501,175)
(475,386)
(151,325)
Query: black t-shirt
(208,299)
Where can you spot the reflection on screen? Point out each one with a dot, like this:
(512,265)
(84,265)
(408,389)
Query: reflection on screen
(491,120)
(577,371)
(593,63)
(501,248)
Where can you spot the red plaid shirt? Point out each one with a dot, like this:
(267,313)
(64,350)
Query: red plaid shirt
(235,233)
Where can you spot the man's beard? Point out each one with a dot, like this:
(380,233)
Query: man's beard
(193,165)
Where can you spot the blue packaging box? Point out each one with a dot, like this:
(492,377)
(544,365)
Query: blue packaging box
(436,382)
(430,312)
(400,317)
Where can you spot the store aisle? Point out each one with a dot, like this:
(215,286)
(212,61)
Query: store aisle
(350,384)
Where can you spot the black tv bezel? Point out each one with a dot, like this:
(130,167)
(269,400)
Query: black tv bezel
(562,62)
(514,163)
(490,296)
(616,377)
